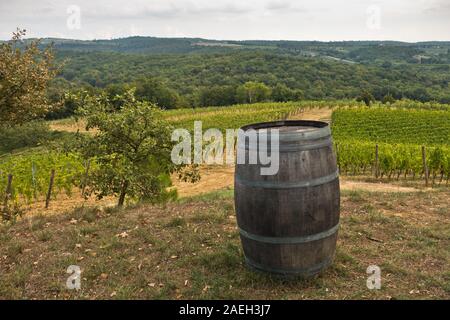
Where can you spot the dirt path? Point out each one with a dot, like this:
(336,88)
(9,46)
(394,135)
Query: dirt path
(216,178)
(319,114)
(347,184)
(213,178)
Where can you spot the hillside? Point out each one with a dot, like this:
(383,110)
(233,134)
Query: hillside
(204,79)
(224,159)
(394,192)
(191,250)
(149,45)
(358,51)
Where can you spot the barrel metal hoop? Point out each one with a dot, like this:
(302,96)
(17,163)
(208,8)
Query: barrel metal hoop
(288,185)
(290,240)
(299,272)
(312,134)
(294,147)
(306,135)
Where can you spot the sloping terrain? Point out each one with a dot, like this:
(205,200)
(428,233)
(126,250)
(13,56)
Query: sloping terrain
(191,249)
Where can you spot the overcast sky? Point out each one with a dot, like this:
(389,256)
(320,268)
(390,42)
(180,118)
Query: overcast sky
(406,20)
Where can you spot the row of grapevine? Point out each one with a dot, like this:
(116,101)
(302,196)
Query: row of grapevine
(398,104)
(179,113)
(31,174)
(392,125)
(411,104)
(232,117)
(394,160)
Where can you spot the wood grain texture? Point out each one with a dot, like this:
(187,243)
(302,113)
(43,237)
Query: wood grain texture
(269,211)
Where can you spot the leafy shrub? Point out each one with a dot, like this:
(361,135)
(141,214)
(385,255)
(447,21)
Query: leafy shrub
(30,134)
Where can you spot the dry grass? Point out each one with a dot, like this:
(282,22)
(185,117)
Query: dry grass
(62,203)
(191,249)
(69,125)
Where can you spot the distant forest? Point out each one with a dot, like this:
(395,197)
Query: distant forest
(177,73)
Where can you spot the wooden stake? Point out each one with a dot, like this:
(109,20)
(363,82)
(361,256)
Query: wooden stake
(377,170)
(50,187)
(425,167)
(8,190)
(86,175)
(123,193)
(33,175)
(336,146)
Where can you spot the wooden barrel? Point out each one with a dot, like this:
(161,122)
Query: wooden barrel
(288,222)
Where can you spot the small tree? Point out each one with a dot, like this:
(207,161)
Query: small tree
(388,99)
(131,148)
(155,91)
(367,97)
(252,92)
(25,72)
(281,93)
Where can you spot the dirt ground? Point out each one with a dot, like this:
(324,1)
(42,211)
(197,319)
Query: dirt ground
(62,203)
(212,179)
(215,178)
(191,249)
(68,125)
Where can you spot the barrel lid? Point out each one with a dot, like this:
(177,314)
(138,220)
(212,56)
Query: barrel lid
(291,128)
(294,129)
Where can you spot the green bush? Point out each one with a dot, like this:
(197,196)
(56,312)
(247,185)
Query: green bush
(27,135)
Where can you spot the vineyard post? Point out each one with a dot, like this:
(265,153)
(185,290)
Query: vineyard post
(123,193)
(376,162)
(50,187)
(425,167)
(337,156)
(8,190)
(86,175)
(33,176)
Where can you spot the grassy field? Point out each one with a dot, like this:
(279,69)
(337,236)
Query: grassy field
(191,249)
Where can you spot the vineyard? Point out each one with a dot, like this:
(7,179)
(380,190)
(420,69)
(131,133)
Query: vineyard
(394,160)
(385,142)
(232,117)
(239,115)
(31,171)
(31,174)
(392,125)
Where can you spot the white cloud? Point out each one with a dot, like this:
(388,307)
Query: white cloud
(412,20)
